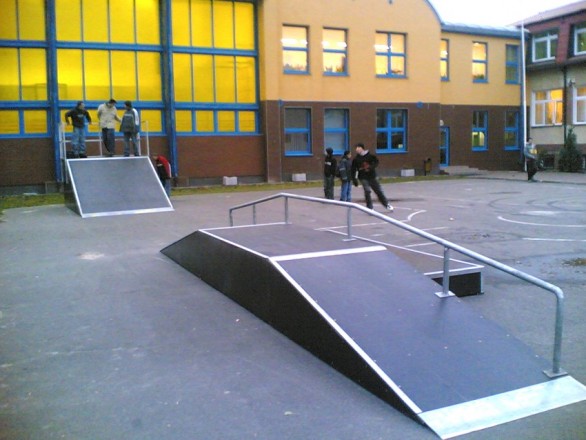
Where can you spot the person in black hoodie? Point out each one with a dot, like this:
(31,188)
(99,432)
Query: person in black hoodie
(78,117)
(364,169)
(329,174)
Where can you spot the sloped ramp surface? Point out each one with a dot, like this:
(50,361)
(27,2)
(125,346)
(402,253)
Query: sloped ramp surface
(376,319)
(114,186)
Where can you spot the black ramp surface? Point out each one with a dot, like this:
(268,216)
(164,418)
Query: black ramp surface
(109,186)
(440,352)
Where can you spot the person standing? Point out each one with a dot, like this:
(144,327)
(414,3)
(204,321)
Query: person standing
(130,126)
(163,168)
(329,173)
(364,170)
(530,152)
(345,174)
(78,116)
(108,115)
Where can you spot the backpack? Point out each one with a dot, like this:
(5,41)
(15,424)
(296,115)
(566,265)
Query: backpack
(342,171)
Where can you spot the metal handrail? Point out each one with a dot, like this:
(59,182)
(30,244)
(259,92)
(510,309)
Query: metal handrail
(447,245)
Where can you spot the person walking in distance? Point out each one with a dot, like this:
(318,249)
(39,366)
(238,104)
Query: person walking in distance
(364,170)
(78,116)
(130,128)
(530,152)
(329,173)
(107,115)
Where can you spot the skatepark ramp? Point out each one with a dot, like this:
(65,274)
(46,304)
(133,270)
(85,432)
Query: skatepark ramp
(114,186)
(376,318)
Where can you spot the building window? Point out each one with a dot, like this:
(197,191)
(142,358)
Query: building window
(445,60)
(295,49)
(580,105)
(511,130)
(545,46)
(479,62)
(23,76)
(512,64)
(547,107)
(391,131)
(297,132)
(580,39)
(336,129)
(479,131)
(391,55)
(334,52)
(214,67)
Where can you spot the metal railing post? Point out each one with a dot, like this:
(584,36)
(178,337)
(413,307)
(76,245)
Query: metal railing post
(286,210)
(254,214)
(349,223)
(446,275)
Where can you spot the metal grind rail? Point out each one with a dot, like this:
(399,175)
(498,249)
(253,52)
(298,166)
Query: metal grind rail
(555,371)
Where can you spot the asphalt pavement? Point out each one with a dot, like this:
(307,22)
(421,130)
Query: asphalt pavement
(103,337)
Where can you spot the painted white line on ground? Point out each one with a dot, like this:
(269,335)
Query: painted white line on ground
(555,239)
(540,224)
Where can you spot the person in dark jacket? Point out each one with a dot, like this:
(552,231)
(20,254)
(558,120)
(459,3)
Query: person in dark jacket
(329,174)
(129,126)
(364,170)
(345,174)
(78,117)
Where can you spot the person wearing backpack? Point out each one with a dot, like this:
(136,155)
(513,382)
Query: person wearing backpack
(129,126)
(345,175)
(329,173)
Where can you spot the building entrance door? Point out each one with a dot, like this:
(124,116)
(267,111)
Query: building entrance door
(444,146)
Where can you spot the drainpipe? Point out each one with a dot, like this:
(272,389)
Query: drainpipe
(565,101)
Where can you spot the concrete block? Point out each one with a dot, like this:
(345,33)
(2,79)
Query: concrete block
(299,177)
(410,172)
(230,181)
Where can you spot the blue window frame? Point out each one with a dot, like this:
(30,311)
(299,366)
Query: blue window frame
(479,62)
(297,132)
(336,129)
(391,131)
(445,60)
(511,130)
(295,49)
(512,64)
(391,55)
(335,50)
(479,131)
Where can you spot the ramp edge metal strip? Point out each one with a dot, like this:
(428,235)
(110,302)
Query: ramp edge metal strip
(464,418)
(307,255)
(132,211)
(396,388)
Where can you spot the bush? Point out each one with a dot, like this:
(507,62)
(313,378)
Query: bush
(570,159)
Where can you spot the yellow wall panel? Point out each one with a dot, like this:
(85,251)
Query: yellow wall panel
(122,22)
(410,18)
(147,22)
(31,19)
(68,15)
(461,90)
(8,21)
(9,74)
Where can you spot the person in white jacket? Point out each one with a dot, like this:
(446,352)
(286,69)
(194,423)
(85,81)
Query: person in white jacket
(107,115)
(130,126)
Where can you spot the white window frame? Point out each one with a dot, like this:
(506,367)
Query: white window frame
(539,107)
(579,99)
(579,30)
(548,38)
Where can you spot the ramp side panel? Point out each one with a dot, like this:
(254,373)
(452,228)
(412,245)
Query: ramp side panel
(252,281)
(113,186)
(439,351)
